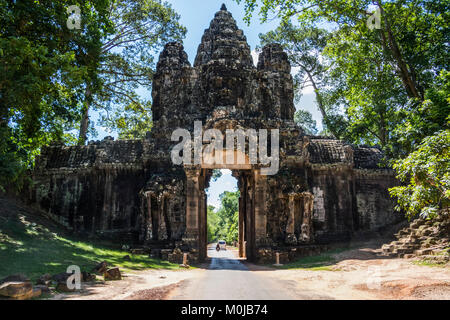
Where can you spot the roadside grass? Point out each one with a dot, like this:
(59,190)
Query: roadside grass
(428,263)
(431,263)
(320,262)
(32,249)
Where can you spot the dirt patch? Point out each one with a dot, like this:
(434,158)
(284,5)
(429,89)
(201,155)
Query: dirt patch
(141,285)
(160,293)
(415,290)
(437,292)
(357,276)
(367,253)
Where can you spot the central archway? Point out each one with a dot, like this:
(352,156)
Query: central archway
(251,184)
(223,211)
(252,220)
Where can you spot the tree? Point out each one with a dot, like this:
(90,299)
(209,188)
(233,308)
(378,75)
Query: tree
(412,33)
(369,92)
(304,46)
(383,69)
(41,75)
(216,174)
(224,223)
(126,63)
(426,174)
(131,122)
(304,119)
(431,116)
(212,220)
(391,84)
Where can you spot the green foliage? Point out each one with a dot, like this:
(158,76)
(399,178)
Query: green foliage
(41,75)
(224,224)
(141,28)
(304,119)
(425,170)
(426,173)
(133,122)
(382,69)
(367,87)
(11,169)
(51,76)
(432,115)
(216,174)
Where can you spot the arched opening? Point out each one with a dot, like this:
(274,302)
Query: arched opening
(222,218)
(250,203)
(251,215)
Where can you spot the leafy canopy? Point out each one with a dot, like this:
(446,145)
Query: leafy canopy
(127,63)
(42,75)
(224,224)
(426,174)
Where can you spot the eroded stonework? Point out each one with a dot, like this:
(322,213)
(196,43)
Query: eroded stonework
(129,191)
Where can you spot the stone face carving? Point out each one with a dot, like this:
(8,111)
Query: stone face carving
(129,191)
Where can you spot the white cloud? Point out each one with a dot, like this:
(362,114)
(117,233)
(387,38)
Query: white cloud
(309,89)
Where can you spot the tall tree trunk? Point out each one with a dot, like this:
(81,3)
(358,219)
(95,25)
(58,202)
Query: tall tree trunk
(382,131)
(406,76)
(3,113)
(84,125)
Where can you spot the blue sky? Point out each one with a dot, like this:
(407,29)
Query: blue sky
(196,16)
(225,183)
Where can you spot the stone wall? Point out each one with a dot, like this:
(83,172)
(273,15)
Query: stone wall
(87,189)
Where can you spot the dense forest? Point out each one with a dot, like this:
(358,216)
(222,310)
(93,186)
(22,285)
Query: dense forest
(223,223)
(379,70)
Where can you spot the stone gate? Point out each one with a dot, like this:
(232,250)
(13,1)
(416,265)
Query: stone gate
(129,191)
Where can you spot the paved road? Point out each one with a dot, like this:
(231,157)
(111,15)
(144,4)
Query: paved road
(227,278)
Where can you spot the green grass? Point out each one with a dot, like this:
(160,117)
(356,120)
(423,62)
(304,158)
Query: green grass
(429,263)
(320,262)
(34,250)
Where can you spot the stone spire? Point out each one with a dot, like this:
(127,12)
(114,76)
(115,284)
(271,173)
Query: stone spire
(273,58)
(224,40)
(223,7)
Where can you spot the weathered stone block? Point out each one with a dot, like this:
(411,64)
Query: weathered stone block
(112,274)
(16,290)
